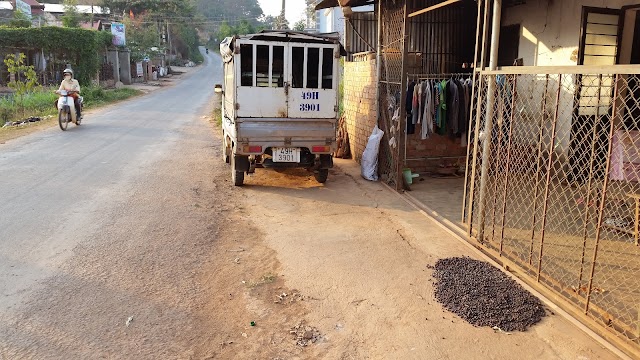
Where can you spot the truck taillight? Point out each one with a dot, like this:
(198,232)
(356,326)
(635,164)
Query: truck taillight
(320,149)
(252,149)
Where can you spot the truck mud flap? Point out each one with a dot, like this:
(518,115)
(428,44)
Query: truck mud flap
(242,163)
(326,162)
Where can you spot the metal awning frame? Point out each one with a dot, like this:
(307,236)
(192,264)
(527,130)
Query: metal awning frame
(433,7)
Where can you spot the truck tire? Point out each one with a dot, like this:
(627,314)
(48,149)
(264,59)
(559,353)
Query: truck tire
(225,148)
(237,176)
(321,175)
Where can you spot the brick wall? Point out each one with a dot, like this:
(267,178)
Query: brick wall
(422,155)
(360,102)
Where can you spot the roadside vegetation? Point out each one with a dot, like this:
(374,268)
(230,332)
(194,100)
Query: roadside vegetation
(40,104)
(216,116)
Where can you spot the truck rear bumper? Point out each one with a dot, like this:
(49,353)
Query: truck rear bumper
(284,132)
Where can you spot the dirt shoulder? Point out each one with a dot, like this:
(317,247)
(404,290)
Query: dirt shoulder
(358,258)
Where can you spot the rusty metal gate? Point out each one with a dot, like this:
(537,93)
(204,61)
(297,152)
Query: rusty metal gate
(553,188)
(392,90)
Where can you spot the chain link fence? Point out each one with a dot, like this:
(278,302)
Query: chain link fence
(554,187)
(391,90)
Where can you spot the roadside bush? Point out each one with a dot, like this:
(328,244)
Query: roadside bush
(93,92)
(7,109)
(42,101)
(81,47)
(98,96)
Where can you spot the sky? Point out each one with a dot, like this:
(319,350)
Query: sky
(294,9)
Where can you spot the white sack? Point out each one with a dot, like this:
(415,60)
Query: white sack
(369,161)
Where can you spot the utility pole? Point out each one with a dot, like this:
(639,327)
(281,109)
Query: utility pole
(281,22)
(169,39)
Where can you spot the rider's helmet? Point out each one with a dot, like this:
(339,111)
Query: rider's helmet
(67,71)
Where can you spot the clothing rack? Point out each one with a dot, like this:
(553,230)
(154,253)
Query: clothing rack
(436,76)
(458,76)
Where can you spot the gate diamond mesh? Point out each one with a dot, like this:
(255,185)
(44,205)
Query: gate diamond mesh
(560,195)
(391,89)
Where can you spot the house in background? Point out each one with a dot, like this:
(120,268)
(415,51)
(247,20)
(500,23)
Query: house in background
(33,9)
(333,20)
(53,14)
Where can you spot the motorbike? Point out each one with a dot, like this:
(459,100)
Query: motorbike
(67,110)
(207,51)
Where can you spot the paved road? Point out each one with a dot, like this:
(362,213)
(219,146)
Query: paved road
(57,186)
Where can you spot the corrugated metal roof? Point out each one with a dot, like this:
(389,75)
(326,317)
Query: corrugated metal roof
(6,5)
(34,4)
(289,35)
(351,3)
(83,9)
(226,47)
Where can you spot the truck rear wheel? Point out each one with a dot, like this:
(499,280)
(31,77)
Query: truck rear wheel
(237,176)
(321,175)
(225,149)
(225,156)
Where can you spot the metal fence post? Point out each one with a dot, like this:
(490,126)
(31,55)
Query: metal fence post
(603,197)
(590,182)
(467,179)
(548,180)
(508,167)
(488,128)
(402,136)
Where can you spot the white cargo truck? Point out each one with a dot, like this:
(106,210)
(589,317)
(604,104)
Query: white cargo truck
(280,102)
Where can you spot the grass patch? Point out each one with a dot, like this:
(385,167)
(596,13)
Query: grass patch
(265,279)
(216,116)
(97,96)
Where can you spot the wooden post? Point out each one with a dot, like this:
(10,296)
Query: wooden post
(402,136)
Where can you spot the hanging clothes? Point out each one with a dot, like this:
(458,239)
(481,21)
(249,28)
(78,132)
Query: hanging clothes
(442,108)
(415,105)
(429,111)
(410,128)
(453,107)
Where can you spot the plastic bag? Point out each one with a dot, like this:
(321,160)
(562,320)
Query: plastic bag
(369,161)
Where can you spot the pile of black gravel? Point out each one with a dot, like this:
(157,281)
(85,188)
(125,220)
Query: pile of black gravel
(484,296)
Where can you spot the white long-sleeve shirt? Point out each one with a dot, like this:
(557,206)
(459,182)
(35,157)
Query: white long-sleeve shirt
(70,85)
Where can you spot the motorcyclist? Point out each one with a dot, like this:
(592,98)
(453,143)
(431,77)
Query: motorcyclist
(73,87)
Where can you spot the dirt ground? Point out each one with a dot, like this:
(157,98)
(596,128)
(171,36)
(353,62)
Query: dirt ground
(186,263)
(194,266)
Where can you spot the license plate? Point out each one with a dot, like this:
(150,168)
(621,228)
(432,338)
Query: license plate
(291,155)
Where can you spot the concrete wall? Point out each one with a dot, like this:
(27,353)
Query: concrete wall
(550,36)
(124,58)
(331,20)
(360,103)
(550,29)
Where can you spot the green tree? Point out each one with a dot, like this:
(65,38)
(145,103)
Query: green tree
(310,14)
(142,38)
(231,9)
(71,17)
(268,22)
(242,28)
(180,14)
(299,25)
(24,77)
(245,27)
(19,20)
